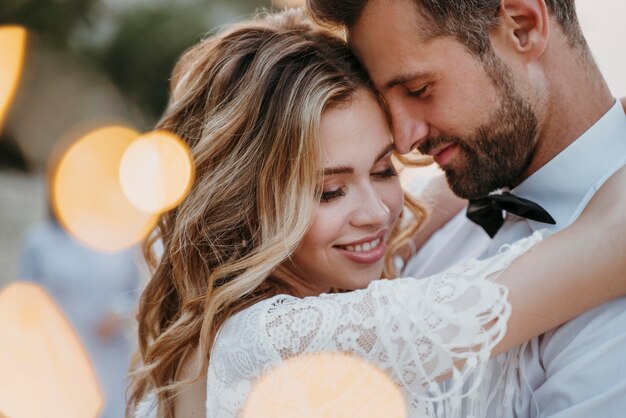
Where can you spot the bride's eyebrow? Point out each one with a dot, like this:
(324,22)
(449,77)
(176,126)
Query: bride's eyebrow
(329,171)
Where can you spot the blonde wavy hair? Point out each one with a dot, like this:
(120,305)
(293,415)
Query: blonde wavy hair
(248,102)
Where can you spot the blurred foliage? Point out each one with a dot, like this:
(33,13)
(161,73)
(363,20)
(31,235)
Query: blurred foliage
(140,56)
(55,19)
(140,43)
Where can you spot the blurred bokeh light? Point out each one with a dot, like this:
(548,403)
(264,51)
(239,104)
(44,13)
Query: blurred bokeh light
(12,50)
(156,172)
(87,196)
(325,385)
(45,369)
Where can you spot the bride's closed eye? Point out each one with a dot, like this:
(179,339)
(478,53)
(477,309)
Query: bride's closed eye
(384,168)
(328,195)
(386,173)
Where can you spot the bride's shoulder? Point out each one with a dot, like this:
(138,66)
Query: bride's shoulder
(244,326)
(248,315)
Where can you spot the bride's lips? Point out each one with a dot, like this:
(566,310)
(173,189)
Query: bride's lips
(358,250)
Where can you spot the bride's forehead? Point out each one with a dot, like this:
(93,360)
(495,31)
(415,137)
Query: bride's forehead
(355,133)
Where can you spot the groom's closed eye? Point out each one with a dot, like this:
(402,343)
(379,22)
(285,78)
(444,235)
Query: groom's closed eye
(417,92)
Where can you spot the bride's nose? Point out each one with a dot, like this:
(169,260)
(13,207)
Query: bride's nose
(370,209)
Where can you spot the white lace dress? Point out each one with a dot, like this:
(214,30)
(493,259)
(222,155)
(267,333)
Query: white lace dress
(415,331)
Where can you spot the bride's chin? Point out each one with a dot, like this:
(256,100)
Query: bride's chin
(362,280)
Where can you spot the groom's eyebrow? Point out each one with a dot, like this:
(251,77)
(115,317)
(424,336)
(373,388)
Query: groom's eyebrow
(404,78)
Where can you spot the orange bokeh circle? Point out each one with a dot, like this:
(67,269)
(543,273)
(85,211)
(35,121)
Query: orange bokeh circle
(46,371)
(12,51)
(156,172)
(87,197)
(325,385)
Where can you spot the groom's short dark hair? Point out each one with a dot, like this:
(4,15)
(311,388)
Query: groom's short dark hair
(469,21)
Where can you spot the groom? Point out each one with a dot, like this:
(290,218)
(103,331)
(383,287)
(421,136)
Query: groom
(505,95)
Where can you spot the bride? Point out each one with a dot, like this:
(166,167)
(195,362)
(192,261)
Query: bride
(295,215)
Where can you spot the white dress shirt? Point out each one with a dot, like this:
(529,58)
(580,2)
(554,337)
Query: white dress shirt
(577,370)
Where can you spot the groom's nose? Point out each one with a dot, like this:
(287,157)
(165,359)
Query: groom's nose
(408,128)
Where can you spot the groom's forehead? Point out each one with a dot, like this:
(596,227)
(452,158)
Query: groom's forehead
(390,14)
(394,24)
(396,52)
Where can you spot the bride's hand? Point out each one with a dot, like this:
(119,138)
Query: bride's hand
(623,100)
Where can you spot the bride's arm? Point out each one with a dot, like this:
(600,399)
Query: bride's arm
(571,272)
(455,320)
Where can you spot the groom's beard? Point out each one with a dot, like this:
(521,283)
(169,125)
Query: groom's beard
(497,152)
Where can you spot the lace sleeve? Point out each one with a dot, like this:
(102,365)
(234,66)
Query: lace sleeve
(418,331)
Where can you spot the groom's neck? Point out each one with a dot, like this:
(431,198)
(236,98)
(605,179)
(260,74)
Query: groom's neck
(577,97)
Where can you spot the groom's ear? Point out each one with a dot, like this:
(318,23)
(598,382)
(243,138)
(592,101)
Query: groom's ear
(524,27)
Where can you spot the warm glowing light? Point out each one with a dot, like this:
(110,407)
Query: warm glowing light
(45,369)
(156,172)
(88,198)
(325,385)
(12,48)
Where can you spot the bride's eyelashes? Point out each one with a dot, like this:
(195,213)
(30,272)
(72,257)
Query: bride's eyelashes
(329,195)
(386,173)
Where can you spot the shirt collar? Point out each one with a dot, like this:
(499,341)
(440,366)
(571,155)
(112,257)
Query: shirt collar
(563,183)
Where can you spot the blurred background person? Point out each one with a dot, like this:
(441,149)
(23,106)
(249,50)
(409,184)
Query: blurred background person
(96,291)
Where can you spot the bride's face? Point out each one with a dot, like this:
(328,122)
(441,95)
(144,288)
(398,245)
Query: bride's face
(361,200)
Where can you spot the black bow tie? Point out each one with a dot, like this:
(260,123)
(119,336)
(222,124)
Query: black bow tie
(487,211)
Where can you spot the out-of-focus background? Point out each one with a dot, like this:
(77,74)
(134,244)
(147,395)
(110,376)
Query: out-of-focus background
(87,64)
(93,63)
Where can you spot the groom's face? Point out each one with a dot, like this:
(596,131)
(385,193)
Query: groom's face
(469,113)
